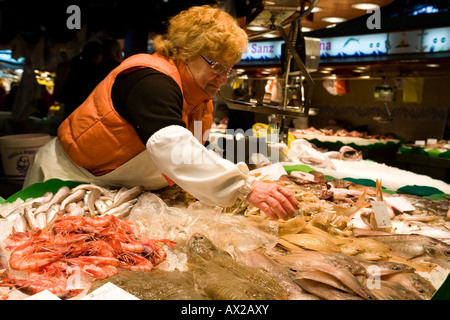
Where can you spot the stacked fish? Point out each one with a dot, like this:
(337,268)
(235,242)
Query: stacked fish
(84,200)
(336,249)
(350,268)
(330,250)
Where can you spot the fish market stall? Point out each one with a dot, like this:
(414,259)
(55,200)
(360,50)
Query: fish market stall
(380,148)
(75,241)
(431,157)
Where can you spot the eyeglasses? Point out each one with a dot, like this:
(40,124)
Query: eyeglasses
(220,69)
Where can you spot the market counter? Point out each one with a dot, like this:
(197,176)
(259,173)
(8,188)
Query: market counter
(435,167)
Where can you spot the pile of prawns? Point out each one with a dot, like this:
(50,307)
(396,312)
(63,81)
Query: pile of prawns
(76,245)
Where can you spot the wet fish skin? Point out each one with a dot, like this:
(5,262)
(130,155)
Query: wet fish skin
(125,195)
(414,282)
(91,187)
(121,210)
(211,263)
(73,197)
(31,220)
(20,224)
(410,246)
(59,196)
(325,291)
(322,277)
(155,285)
(312,261)
(390,290)
(221,284)
(90,199)
(280,274)
(382,267)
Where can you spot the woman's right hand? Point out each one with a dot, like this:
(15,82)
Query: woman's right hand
(274,200)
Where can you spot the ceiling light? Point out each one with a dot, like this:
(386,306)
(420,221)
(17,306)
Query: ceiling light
(365,6)
(305,29)
(256,28)
(334,19)
(315,9)
(432,65)
(270,35)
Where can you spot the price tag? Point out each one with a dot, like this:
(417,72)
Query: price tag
(431,141)
(419,142)
(381,214)
(400,203)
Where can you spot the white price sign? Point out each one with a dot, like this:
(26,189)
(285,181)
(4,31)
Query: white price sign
(381,214)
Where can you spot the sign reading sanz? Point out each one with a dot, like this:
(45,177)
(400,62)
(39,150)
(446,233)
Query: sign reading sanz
(263,50)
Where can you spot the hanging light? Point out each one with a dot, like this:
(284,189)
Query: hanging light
(365,6)
(334,19)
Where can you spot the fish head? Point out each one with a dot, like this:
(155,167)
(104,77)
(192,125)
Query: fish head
(404,227)
(200,245)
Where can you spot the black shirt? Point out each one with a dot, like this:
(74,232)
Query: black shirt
(149,100)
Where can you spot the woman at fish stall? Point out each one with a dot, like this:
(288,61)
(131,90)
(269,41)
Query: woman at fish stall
(146,123)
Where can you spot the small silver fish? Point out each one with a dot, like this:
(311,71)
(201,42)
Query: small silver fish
(59,196)
(31,220)
(90,199)
(122,210)
(125,195)
(73,197)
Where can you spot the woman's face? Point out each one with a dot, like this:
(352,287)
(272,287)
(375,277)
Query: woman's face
(202,72)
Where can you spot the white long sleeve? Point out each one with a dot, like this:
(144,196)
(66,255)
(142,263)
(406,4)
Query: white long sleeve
(199,171)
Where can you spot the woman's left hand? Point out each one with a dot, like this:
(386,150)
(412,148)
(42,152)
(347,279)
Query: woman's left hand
(274,200)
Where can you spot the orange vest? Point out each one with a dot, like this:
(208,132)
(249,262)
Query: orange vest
(98,139)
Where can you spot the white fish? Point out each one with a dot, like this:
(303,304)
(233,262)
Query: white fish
(20,224)
(360,219)
(92,187)
(51,212)
(41,220)
(40,200)
(404,227)
(78,211)
(125,195)
(101,206)
(121,210)
(31,220)
(8,208)
(59,196)
(74,197)
(90,199)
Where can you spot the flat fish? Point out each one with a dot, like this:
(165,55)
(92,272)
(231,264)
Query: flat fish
(280,274)
(410,246)
(415,283)
(325,291)
(155,284)
(222,277)
(390,290)
(316,261)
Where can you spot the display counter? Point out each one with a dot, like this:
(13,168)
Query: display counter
(436,167)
